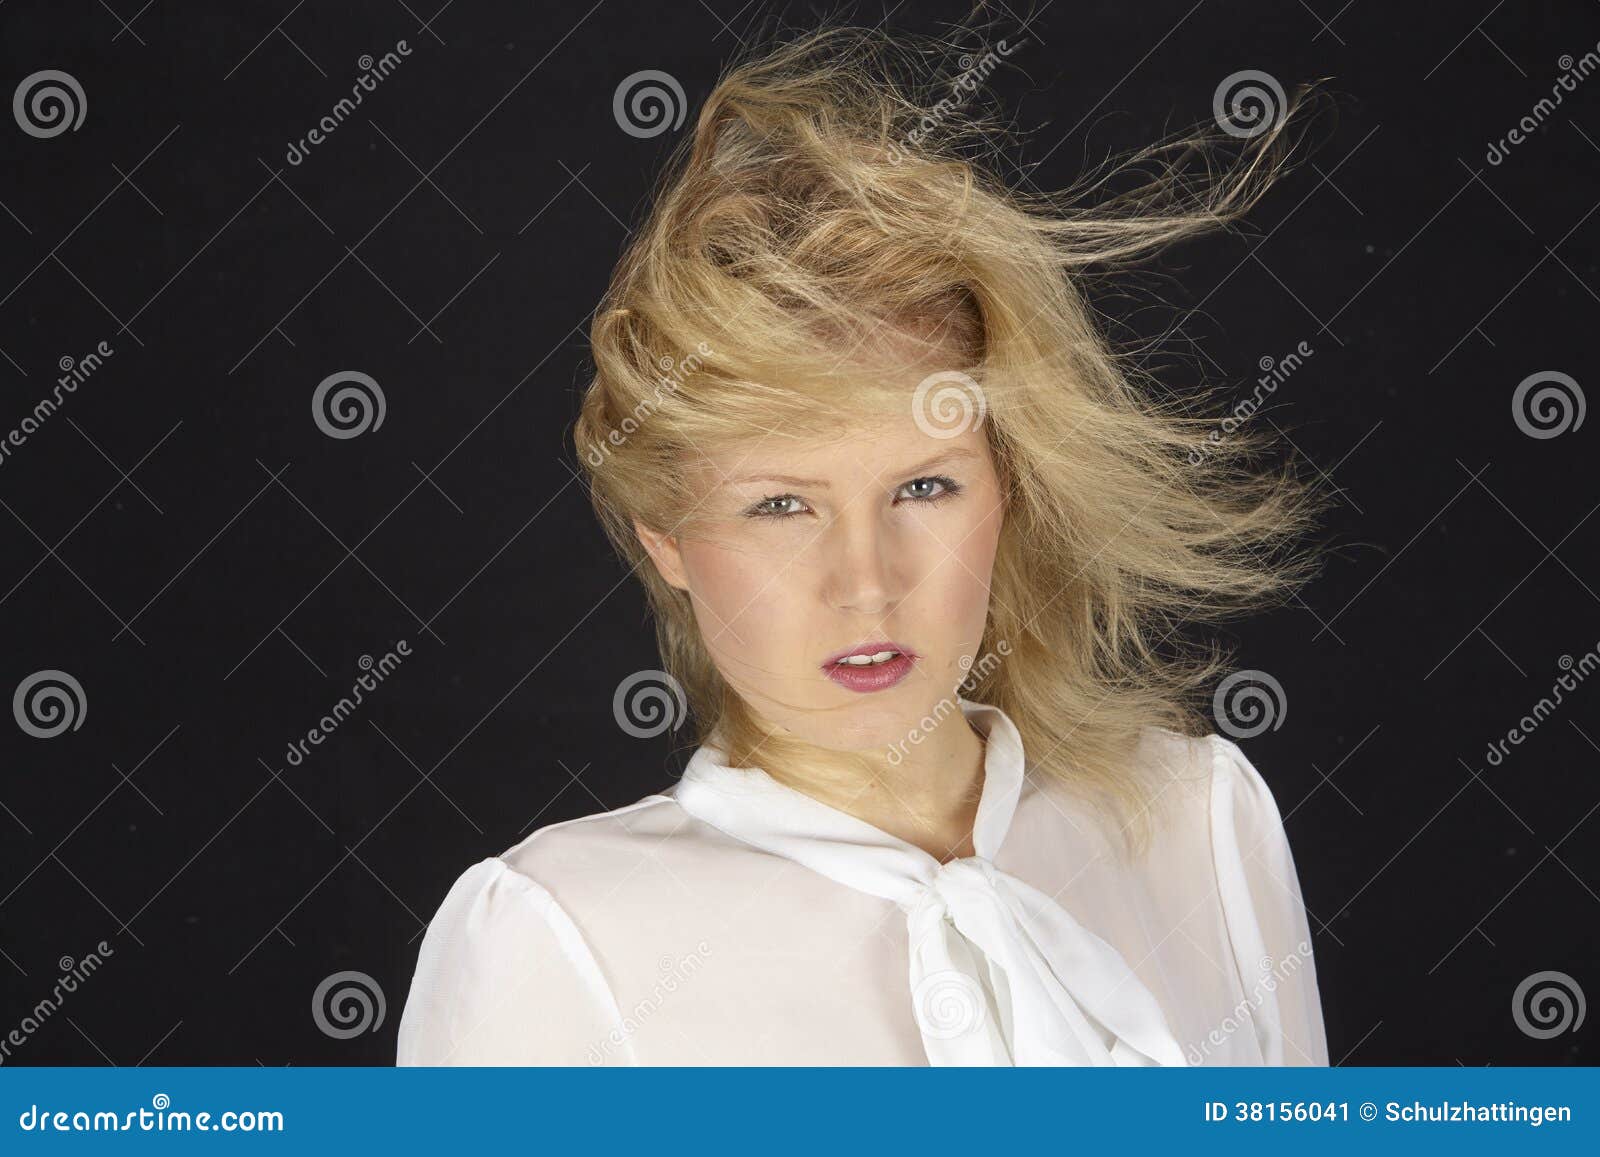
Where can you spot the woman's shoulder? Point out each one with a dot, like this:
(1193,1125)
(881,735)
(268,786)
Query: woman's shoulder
(608,866)
(1210,777)
(601,842)
(1227,818)
(1203,798)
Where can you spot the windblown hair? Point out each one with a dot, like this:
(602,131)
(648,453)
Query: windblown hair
(828,193)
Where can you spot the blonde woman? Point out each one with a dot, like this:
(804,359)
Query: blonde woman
(918,548)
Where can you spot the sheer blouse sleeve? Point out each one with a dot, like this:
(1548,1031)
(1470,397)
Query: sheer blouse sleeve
(504,977)
(1265,913)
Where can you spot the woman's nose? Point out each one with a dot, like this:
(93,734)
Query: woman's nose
(861,564)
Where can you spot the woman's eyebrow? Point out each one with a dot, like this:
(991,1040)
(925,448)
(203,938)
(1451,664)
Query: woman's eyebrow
(953,454)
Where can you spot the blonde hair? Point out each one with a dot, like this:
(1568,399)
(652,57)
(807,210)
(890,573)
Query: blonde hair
(824,195)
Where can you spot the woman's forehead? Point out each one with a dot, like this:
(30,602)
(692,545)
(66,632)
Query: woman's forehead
(890,443)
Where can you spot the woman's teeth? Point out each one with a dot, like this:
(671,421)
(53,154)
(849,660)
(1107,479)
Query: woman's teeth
(867,660)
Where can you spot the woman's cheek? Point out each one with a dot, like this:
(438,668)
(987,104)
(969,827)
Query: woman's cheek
(742,601)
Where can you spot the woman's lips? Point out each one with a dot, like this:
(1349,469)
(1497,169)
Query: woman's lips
(874,676)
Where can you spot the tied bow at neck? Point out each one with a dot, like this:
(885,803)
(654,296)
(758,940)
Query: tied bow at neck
(1000,973)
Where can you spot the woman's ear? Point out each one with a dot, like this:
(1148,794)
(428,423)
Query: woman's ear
(663,551)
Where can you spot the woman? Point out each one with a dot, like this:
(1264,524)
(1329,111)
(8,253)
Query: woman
(917,549)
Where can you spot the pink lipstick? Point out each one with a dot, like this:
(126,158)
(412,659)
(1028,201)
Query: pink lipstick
(872,666)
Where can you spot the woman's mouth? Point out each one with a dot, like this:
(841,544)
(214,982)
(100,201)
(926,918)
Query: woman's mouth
(871,666)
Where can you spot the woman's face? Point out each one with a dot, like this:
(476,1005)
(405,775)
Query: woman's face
(884,537)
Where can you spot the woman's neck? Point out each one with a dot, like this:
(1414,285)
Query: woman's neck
(928,799)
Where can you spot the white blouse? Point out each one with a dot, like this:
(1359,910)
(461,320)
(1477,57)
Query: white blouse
(733,920)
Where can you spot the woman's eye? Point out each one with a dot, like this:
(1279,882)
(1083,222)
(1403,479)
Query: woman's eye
(932,489)
(775,507)
(935,488)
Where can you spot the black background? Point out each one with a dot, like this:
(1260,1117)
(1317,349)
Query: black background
(185,542)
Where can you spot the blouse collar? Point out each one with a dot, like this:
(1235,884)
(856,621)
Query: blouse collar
(748,803)
(1001,973)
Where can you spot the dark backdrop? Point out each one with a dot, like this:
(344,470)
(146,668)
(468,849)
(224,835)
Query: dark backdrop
(184,540)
